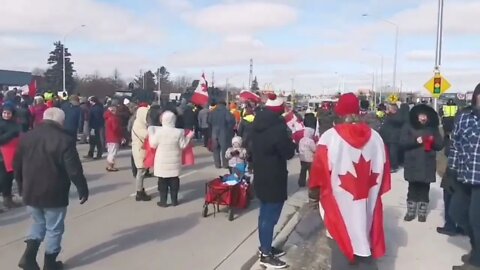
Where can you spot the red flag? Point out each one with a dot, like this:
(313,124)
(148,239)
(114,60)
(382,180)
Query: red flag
(32,88)
(200,96)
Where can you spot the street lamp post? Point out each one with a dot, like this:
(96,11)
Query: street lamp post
(395,57)
(63,54)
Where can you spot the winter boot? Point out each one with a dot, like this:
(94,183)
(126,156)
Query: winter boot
(174,187)
(411,211)
(422,211)
(466,257)
(163,192)
(28,261)
(9,203)
(142,196)
(51,262)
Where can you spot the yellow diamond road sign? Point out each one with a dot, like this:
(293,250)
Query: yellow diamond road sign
(444,85)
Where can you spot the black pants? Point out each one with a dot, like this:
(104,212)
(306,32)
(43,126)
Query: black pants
(449,223)
(393,154)
(418,192)
(305,168)
(6,181)
(165,185)
(96,142)
(205,135)
(465,211)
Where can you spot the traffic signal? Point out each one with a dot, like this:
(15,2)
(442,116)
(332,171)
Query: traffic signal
(437,85)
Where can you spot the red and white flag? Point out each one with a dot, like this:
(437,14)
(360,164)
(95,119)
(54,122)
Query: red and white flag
(295,125)
(352,170)
(200,96)
(32,88)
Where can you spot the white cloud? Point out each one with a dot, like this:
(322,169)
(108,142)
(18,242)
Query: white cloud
(104,22)
(242,17)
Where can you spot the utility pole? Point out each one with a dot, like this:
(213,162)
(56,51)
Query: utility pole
(159,76)
(438,51)
(250,78)
(226,90)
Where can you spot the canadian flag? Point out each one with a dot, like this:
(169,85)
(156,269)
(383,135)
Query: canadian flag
(295,125)
(29,89)
(200,96)
(352,170)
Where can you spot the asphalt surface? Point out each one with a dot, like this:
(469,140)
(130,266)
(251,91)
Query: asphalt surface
(113,231)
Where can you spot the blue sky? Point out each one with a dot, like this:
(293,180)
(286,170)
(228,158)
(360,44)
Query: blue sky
(318,43)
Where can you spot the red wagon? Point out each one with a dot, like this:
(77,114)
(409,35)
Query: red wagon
(234,197)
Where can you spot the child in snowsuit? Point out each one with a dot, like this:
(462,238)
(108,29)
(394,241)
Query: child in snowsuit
(306,149)
(236,154)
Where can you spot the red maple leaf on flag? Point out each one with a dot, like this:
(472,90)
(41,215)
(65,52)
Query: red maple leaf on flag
(359,186)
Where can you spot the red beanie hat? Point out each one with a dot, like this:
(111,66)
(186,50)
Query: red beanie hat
(275,104)
(347,104)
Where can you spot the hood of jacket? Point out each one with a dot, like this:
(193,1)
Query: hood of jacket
(265,119)
(308,132)
(476,92)
(433,121)
(168,119)
(237,142)
(141,116)
(357,135)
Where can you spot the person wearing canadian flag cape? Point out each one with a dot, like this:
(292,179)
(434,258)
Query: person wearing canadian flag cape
(352,171)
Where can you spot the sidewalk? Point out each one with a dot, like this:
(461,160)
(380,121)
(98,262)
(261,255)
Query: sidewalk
(410,245)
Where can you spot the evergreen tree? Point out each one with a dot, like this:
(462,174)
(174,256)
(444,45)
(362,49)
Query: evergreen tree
(254,86)
(54,74)
(147,78)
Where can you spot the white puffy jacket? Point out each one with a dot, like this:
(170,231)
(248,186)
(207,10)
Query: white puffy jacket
(169,142)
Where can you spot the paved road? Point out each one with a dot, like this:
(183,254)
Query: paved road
(112,231)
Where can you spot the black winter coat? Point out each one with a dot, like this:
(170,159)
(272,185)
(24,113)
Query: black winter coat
(189,118)
(8,131)
(24,117)
(421,166)
(96,117)
(272,147)
(390,130)
(45,163)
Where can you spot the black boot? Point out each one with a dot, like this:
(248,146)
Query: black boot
(142,196)
(163,192)
(422,211)
(174,187)
(28,261)
(411,211)
(8,202)
(51,262)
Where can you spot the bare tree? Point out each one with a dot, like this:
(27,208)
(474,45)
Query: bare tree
(180,84)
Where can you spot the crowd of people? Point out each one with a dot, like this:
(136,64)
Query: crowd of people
(38,140)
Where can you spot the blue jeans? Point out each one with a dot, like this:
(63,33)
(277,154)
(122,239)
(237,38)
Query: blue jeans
(449,223)
(268,218)
(49,224)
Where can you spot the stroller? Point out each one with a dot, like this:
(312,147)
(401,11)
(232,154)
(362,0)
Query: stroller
(232,191)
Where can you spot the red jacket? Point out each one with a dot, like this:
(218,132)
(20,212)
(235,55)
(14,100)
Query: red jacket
(113,128)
